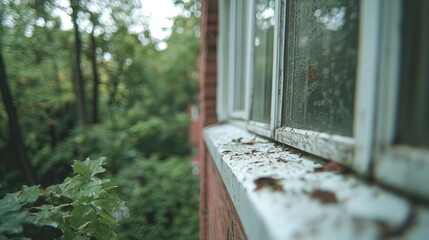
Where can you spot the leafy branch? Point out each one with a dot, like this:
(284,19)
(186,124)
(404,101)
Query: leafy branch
(82,207)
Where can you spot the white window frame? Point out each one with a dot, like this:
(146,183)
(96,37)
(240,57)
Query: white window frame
(400,166)
(243,114)
(370,150)
(264,129)
(353,151)
(223,61)
(227,75)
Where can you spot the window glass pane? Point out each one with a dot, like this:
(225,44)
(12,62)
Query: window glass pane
(263,60)
(240,56)
(413,115)
(322,38)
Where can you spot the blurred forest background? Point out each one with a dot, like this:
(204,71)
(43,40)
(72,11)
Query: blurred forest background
(107,88)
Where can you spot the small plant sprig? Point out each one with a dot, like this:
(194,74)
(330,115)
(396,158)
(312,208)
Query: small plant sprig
(81,207)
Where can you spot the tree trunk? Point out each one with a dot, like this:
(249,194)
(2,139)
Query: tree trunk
(114,91)
(17,142)
(79,84)
(95,90)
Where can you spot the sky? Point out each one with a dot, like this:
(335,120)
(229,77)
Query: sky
(157,12)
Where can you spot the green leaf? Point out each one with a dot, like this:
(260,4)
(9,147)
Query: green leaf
(80,206)
(12,222)
(9,203)
(29,194)
(95,166)
(48,215)
(82,169)
(81,215)
(107,217)
(83,225)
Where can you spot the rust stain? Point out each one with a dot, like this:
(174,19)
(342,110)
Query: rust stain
(273,183)
(325,197)
(331,167)
(253,142)
(311,72)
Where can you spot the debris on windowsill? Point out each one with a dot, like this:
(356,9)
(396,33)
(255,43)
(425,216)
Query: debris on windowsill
(272,183)
(323,196)
(332,167)
(279,186)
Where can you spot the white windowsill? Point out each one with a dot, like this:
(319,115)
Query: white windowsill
(352,208)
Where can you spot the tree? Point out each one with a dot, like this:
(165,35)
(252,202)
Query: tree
(149,89)
(16,140)
(80,89)
(95,77)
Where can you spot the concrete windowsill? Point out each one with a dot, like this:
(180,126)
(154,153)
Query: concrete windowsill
(282,193)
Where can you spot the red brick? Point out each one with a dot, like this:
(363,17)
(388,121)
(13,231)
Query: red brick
(210,79)
(211,57)
(212,28)
(212,17)
(211,91)
(211,68)
(212,41)
(210,103)
(212,6)
(218,217)
(223,221)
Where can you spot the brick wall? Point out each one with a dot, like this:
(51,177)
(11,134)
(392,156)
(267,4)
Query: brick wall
(218,217)
(222,218)
(208,67)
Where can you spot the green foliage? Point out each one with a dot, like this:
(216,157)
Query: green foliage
(144,93)
(81,207)
(12,216)
(162,197)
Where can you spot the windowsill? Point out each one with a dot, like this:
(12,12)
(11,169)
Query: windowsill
(304,201)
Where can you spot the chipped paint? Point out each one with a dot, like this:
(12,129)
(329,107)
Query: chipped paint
(333,147)
(312,203)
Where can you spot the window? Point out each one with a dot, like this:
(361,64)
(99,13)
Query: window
(320,78)
(263,60)
(238,55)
(413,115)
(246,55)
(402,140)
(321,73)
(234,59)
(344,80)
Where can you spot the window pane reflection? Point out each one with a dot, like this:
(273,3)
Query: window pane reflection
(321,65)
(263,60)
(240,55)
(413,116)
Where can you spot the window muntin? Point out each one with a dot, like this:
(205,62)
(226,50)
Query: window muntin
(263,60)
(321,61)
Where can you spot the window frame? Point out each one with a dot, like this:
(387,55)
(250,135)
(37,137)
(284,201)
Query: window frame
(352,151)
(397,165)
(370,151)
(226,78)
(233,40)
(268,129)
(222,57)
